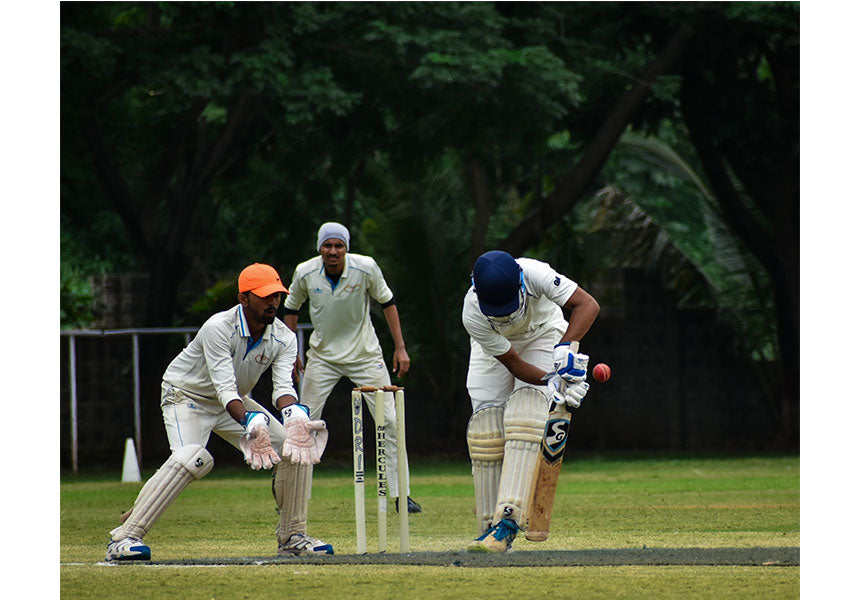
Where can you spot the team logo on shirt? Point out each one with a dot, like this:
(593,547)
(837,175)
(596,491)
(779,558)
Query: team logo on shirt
(353,288)
(262,359)
(318,291)
(557,281)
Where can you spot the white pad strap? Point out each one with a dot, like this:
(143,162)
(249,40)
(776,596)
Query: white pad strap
(291,488)
(525,418)
(485,436)
(180,469)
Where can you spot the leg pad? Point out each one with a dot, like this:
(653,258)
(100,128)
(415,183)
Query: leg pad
(525,418)
(291,486)
(181,468)
(485,436)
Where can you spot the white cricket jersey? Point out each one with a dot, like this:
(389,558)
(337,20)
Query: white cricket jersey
(222,363)
(546,291)
(340,312)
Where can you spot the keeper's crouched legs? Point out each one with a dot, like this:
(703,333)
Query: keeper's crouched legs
(181,468)
(290,487)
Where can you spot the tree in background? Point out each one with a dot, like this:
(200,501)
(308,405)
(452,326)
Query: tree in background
(199,136)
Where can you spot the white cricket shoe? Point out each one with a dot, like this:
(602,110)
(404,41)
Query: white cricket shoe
(127,549)
(300,544)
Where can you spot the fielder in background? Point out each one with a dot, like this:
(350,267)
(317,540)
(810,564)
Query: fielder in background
(523,355)
(339,286)
(207,389)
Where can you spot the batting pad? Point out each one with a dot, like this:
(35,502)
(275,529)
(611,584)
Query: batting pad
(485,436)
(181,468)
(291,488)
(525,419)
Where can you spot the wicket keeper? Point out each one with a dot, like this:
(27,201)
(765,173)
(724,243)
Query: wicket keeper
(339,287)
(523,355)
(206,389)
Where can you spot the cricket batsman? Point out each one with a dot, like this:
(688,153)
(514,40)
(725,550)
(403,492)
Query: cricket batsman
(206,389)
(524,354)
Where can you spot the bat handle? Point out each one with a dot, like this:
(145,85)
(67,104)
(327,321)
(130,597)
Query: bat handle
(553,405)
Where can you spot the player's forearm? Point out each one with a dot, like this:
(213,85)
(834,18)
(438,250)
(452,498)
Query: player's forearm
(291,320)
(236,409)
(392,317)
(283,374)
(521,369)
(583,312)
(284,401)
(219,364)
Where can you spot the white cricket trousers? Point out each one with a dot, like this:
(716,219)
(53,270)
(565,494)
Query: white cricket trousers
(189,421)
(491,384)
(319,380)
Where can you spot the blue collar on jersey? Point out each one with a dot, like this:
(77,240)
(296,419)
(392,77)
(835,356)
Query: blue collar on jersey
(252,343)
(333,282)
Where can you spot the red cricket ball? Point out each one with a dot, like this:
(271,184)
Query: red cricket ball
(601,372)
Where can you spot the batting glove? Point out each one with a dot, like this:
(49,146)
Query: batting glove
(574,393)
(256,444)
(571,366)
(563,392)
(305,440)
(557,386)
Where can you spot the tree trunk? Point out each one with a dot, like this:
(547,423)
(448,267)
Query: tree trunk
(570,188)
(777,248)
(176,185)
(480,193)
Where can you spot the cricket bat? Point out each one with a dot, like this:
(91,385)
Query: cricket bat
(548,469)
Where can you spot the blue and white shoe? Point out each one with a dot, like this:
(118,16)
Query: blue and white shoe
(300,544)
(127,549)
(497,538)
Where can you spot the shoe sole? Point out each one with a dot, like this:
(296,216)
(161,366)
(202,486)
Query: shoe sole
(297,552)
(125,558)
(481,547)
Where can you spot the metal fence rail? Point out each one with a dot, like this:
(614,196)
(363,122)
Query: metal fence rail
(134,334)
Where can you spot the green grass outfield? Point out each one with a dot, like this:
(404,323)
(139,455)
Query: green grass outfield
(602,503)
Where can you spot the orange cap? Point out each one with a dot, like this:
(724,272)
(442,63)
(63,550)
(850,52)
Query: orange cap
(260,279)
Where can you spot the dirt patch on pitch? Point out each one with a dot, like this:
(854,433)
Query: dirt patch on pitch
(778,556)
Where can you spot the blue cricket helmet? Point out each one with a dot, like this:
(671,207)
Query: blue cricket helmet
(497,279)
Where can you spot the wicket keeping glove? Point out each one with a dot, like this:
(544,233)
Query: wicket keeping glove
(256,444)
(571,366)
(305,440)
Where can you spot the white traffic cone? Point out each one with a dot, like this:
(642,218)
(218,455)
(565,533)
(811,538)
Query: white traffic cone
(130,468)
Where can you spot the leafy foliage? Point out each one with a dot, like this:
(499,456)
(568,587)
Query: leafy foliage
(667,219)
(198,137)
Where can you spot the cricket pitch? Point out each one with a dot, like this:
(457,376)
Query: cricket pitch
(775,556)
